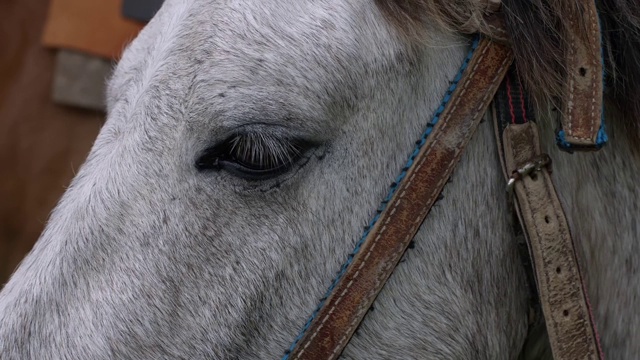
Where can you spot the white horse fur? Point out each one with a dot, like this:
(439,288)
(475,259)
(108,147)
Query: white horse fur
(146,257)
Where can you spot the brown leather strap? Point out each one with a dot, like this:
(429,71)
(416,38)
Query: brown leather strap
(582,112)
(495,27)
(345,308)
(562,295)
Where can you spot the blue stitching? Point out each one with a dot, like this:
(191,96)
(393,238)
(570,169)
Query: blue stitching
(394,187)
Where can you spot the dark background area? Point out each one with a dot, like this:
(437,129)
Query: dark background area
(41,144)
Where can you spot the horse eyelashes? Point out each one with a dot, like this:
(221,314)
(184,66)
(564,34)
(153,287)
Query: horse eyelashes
(263,151)
(253,156)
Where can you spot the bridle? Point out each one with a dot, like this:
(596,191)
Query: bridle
(486,78)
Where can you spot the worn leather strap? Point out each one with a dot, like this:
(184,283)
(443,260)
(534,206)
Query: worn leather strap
(347,305)
(495,27)
(560,288)
(582,109)
(511,105)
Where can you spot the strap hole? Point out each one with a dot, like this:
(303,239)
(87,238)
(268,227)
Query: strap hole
(546,219)
(534,176)
(558,270)
(565,313)
(583,71)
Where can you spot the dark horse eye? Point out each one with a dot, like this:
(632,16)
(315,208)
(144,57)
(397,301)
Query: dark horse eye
(253,156)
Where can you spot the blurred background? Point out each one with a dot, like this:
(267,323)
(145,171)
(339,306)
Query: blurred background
(55,58)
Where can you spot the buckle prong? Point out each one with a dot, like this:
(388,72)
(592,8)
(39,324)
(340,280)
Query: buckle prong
(534,165)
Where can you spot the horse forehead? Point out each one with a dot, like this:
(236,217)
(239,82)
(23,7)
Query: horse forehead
(212,55)
(286,16)
(287,27)
(230,34)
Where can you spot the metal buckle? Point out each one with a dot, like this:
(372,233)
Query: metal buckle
(535,165)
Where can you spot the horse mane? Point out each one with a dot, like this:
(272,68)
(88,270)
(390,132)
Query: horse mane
(537,29)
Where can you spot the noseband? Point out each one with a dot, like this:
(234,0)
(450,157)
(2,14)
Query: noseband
(486,78)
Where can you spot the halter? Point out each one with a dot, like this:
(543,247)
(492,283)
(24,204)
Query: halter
(485,77)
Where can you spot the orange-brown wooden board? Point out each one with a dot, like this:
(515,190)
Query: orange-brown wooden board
(41,144)
(95,27)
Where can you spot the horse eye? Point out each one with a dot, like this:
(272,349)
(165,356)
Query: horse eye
(253,156)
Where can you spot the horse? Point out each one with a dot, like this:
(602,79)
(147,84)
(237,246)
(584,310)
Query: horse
(249,142)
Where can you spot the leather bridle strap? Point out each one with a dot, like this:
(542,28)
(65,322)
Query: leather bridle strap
(562,295)
(582,110)
(334,323)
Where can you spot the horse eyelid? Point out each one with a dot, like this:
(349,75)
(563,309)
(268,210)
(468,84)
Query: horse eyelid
(254,156)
